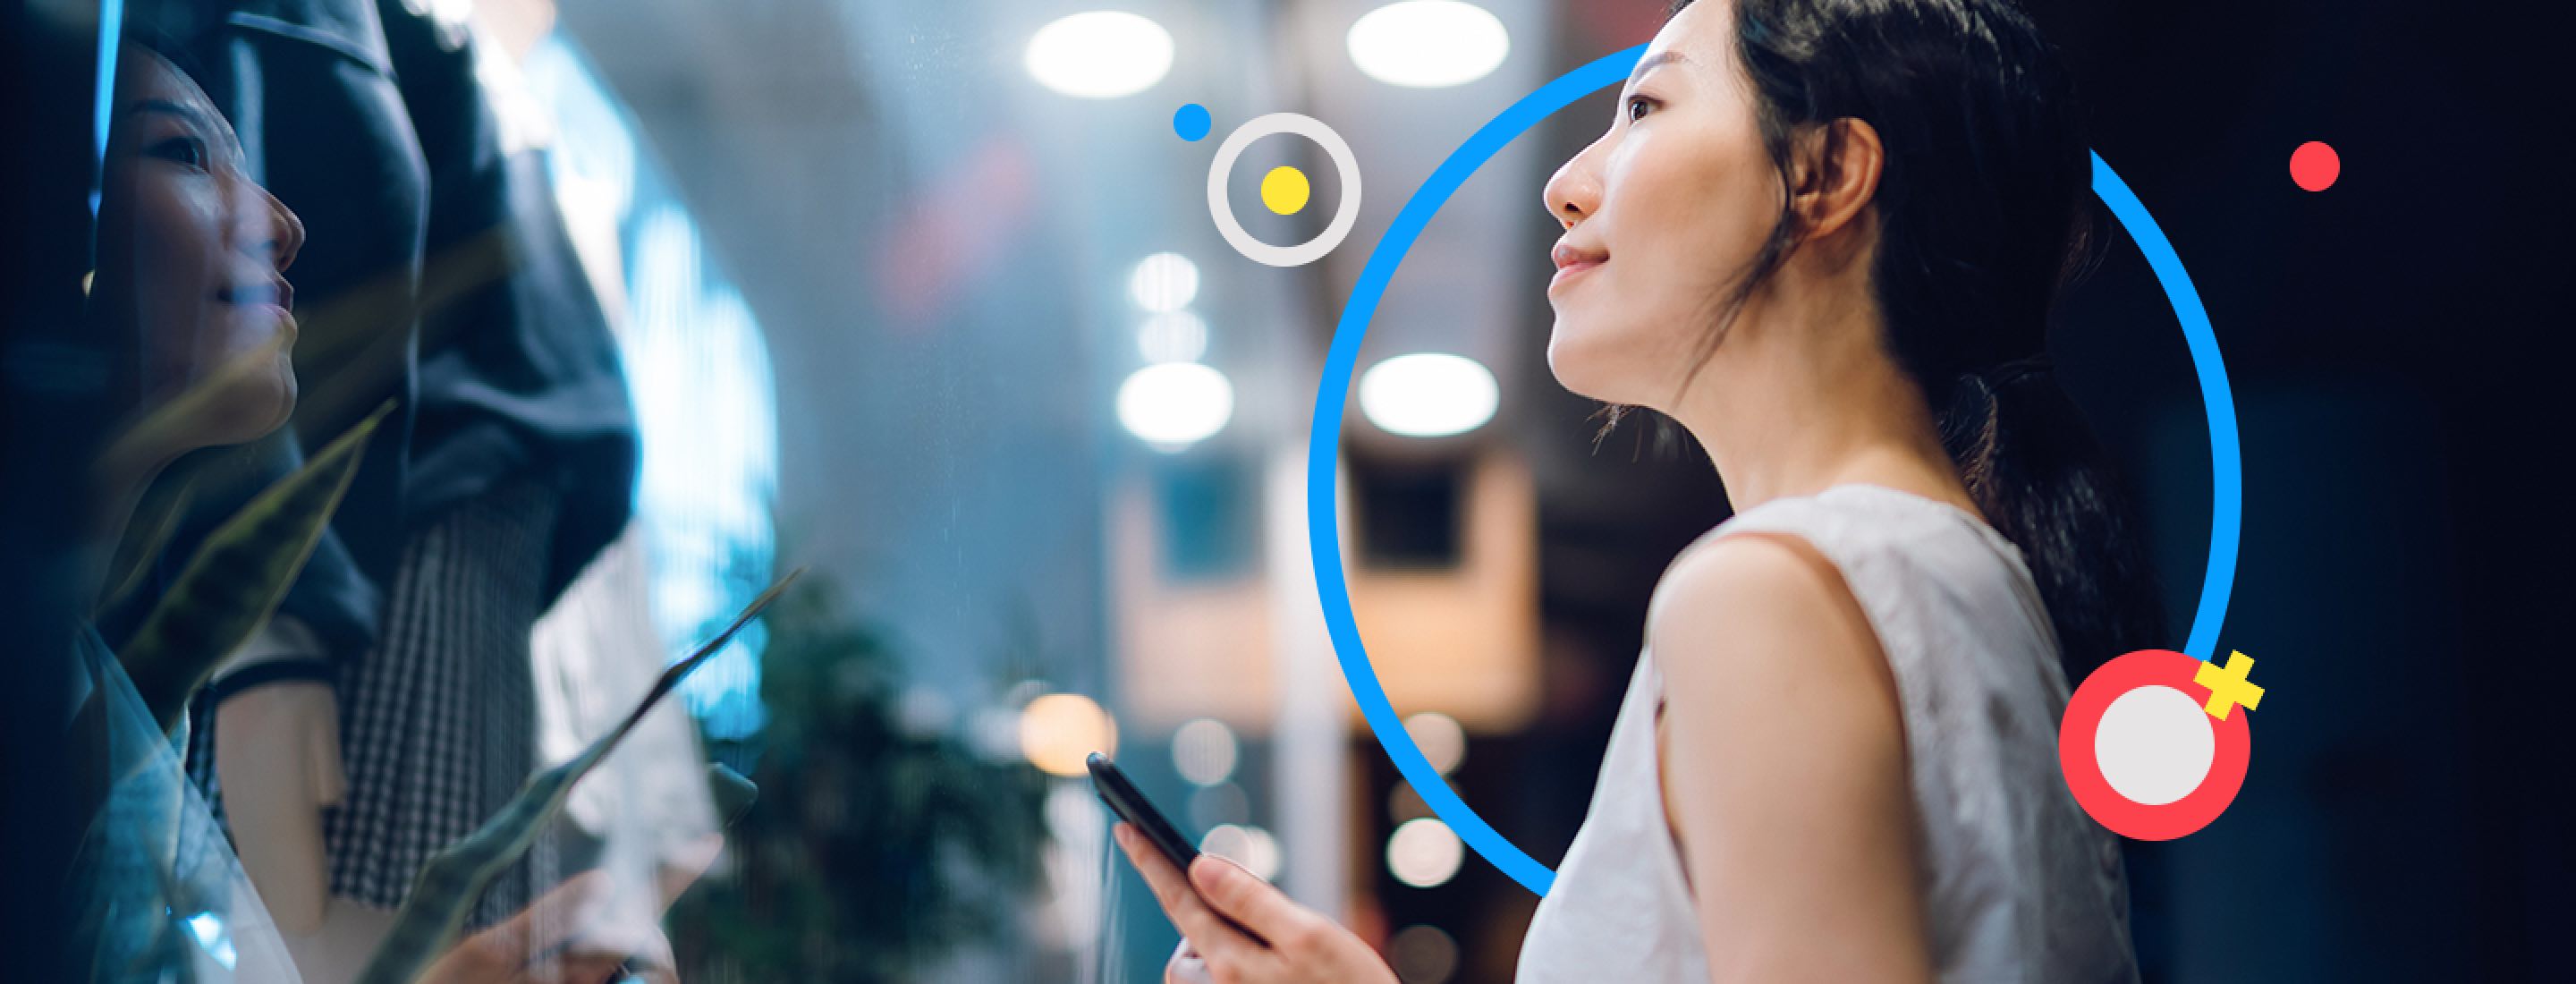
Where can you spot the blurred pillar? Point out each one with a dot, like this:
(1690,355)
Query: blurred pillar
(1308,744)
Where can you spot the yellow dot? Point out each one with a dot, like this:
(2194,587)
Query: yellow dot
(1284,189)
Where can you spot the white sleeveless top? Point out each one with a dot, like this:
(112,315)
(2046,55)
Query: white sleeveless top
(2019,885)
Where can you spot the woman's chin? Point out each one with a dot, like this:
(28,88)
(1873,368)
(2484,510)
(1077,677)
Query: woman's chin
(282,406)
(1583,369)
(254,411)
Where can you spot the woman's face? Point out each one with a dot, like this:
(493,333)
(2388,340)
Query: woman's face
(190,252)
(1661,214)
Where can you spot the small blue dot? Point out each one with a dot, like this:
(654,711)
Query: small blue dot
(1191,122)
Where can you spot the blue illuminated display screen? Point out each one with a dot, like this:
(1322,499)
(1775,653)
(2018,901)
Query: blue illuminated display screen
(705,403)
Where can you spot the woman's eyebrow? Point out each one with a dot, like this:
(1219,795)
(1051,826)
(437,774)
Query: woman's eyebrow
(1654,61)
(205,123)
(182,110)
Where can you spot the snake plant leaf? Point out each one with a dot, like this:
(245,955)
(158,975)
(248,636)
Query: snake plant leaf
(733,793)
(239,576)
(155,519)
(457,875)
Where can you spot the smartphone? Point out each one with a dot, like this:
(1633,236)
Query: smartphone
(1123,798)
(1131,806)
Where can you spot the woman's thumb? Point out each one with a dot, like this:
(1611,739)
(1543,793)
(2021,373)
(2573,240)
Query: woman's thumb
(1243,897)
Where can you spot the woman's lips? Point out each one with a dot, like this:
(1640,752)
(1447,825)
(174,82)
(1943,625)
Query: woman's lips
(273,298)
(271,291)
(1573,261)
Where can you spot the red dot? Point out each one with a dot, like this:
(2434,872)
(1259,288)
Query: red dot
(2314,166)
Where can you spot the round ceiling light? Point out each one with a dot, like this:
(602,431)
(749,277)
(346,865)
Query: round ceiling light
(1100,55)
(1429,44)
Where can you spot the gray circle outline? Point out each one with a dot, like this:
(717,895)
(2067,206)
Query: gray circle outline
(1344,162)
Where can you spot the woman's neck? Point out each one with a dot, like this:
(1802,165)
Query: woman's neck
(120,480)
(1793,412)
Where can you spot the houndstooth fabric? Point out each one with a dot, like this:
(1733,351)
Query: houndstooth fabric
(438,723)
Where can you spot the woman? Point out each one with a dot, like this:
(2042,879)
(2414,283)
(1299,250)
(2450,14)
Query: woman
(190,283)
(1825,237)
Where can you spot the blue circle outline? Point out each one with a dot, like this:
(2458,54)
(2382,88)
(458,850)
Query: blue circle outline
(1323,446)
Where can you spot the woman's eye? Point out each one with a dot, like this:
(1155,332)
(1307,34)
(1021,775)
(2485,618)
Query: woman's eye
(189,151)
(1637,106)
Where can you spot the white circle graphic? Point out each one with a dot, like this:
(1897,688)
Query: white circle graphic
(1344,163)
(2155,745)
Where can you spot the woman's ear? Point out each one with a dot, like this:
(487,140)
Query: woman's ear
(1836,169)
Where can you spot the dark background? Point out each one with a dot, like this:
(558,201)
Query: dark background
(46,64)
(2391,342)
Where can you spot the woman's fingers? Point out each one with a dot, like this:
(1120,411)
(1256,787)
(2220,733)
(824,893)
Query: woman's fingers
(1208,933)
(572,970)
(685,865)
(1256,904)
(549,923)
(506,951)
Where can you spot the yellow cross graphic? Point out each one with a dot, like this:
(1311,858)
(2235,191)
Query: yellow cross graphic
(2228,687)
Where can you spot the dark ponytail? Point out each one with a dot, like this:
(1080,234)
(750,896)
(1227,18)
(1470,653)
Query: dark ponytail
(1983,205)
(2035,471)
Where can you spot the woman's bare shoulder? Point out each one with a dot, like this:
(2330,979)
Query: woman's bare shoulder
(1761,606)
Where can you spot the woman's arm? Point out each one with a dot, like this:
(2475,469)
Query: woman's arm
(1784,768)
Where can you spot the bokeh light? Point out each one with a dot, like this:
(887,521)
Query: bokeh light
(1252,847)
(1403,803)
(1176,404)
(1164,282)
(1172,336)
(1204,751)
(1428,394)
(1422,955)
(1058,731)
(1428,44)
(1099,55)
(1442,740)
(1424,853)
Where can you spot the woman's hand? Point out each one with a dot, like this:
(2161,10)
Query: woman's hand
(1270,940)
(576,935)
(543,944)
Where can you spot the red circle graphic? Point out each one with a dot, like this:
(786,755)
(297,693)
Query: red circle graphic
(2127,817)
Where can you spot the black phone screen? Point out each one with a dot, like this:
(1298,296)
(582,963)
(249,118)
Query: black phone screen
(1131,806)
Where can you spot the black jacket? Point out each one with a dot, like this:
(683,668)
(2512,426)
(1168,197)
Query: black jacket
(435,270)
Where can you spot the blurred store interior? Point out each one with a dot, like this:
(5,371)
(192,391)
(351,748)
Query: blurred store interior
(927,298)
(947,286)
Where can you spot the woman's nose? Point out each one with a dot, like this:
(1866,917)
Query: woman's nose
(1574,192)
(290,232)
(266,226)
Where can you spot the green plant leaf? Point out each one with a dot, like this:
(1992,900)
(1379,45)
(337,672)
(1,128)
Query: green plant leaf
(456,876)
(733,793)
(238,577)
(155,519)
(884,843)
